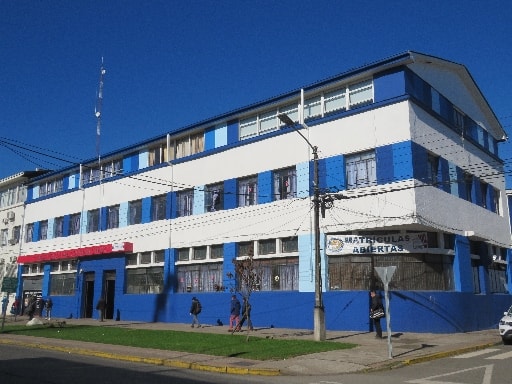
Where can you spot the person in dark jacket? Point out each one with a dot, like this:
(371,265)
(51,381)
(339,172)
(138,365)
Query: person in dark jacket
(195,309)
(31,307)
(234,317)
(100,306)
(246,315)
(376,304)
(48,305)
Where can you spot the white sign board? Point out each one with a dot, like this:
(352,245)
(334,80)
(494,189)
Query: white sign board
(378,244)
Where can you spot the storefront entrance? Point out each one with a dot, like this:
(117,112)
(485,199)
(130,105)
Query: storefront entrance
(88,303)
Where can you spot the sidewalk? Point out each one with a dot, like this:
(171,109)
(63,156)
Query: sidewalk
(370,354)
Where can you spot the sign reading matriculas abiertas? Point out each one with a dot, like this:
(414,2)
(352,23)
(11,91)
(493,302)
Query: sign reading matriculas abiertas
(375,244)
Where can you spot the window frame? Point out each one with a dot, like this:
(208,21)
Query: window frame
(246,199)
(365,161)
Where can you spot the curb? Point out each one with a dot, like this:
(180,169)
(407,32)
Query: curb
(149,360)
(430,357)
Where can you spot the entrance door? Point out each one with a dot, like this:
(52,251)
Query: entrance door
(110,290)
(88,296)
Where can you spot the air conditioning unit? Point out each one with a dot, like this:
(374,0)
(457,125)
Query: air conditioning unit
(11,215)
(12,241)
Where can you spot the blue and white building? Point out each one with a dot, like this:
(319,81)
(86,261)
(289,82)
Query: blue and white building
(409,170)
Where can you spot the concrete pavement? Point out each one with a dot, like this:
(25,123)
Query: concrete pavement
(370,353)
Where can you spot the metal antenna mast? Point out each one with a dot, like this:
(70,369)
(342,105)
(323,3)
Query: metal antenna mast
(97,113)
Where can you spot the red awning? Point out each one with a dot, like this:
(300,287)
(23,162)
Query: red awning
(77,253)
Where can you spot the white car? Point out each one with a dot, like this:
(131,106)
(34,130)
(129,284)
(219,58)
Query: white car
(506,327)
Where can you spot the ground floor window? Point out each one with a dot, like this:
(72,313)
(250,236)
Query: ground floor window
(475,270)
(145,280)
(279,274)
(498,278)
(414,272)
(62,284)
(205,277)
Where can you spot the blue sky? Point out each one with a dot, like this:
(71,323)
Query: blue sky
(174,63)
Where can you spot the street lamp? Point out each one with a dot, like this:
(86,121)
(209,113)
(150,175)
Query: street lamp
(319,310)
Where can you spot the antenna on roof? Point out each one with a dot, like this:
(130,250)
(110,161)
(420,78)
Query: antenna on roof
(97,113)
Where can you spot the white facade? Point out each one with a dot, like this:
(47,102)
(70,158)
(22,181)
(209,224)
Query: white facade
(393,140)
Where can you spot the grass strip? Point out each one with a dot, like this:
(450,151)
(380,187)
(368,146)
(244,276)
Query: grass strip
(231,345)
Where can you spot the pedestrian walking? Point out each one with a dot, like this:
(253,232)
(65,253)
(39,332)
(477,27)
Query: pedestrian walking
(376,312)
(48,305)
(100,306)
(5,303)
(234,317)
(15,307)
(31,307)
(246,315)
(195,309)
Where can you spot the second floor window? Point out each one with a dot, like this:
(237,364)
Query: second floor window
(361,170)
(285,184)
(16,231)
(58,227)
(3,236)
(113,217)
(158,207)
(93,220)
(134,212)
(185,202)
(248,191)
(432,169)
(214,198)
(29,232)
(43,230)
(74,224)
(468,184)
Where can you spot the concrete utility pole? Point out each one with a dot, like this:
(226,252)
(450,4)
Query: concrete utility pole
(319,310)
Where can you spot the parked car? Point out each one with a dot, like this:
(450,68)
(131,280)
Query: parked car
(506,327)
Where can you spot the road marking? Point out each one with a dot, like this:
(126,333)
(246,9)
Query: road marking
(328,382)
(429,380)
(501,356)
(476,353)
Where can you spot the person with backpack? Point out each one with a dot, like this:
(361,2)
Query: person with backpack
(246,315)
(234,316)
(195,309)
(48,305)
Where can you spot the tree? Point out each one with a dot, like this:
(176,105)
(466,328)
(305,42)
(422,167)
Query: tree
(248,272)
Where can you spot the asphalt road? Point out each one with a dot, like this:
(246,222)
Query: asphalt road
(20,365)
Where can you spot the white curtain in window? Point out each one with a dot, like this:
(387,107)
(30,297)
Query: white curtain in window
(29,233)
(113,217)
(285,184)
(75,225)
(197,143)
(182,147)
(361,170)
(43,230)
(185,203)
(134,212)
(247,193)
(58,227)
